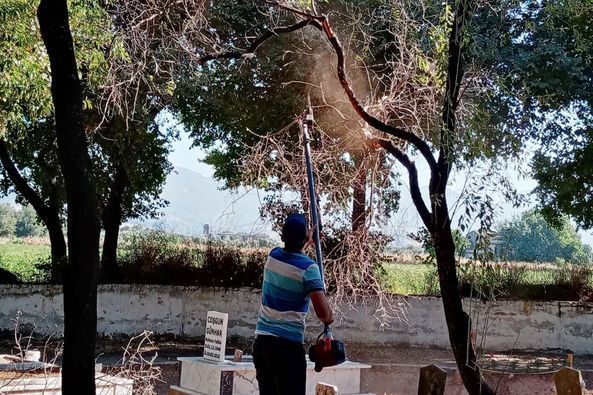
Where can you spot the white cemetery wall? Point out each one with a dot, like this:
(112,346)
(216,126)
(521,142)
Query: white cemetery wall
(130,309)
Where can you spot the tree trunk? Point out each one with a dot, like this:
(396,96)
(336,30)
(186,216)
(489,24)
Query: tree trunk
(359,196)
(80,271)
(109,264)
(112,217)
(58,244)
(458,322)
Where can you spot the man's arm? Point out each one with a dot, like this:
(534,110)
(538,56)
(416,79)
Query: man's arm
(322,309)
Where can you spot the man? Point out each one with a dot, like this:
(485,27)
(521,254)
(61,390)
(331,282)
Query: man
(291,281)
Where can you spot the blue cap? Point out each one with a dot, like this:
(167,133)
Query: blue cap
(294,229)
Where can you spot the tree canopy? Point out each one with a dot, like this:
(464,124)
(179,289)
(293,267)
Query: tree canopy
(128,151)
(530,238)
(537,59)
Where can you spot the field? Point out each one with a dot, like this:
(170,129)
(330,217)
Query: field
(22,257)
(400,275)
(513,280)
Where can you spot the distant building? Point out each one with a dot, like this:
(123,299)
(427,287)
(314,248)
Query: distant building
(242,238)
(496,246)
(207,229)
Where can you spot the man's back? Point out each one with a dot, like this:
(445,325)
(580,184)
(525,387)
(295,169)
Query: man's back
(291,281)
(289,277)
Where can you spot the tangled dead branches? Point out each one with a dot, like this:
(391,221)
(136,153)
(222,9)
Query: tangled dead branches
(152,40)
(135,366)
(352,245)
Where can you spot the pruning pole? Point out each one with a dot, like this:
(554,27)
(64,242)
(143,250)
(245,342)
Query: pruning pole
(307,128)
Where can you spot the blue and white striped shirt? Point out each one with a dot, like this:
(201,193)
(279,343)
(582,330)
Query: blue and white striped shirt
(289,277)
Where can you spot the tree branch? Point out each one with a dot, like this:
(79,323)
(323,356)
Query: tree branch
(420,144)
(404,159)
(322,23)
(21,184)
(249,52)
(454,77)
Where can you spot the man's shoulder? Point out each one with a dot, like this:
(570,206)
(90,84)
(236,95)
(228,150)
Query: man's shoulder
(298,259)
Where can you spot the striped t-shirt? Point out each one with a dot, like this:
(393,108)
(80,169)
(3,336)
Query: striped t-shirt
(288,279)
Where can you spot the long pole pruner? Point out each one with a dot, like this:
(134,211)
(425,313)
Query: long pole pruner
(306,125)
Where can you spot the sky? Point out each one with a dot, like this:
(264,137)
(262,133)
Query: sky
(182,155)
(406,220)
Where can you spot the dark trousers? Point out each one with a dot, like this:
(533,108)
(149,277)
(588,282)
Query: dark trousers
(280,365)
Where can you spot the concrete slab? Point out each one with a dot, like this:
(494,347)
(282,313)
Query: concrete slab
(52,385)
(209,378)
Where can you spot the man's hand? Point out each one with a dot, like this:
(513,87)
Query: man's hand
(322,309)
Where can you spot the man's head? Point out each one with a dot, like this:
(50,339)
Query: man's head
(294,232)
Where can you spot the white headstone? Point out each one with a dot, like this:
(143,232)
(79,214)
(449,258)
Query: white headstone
(215,338)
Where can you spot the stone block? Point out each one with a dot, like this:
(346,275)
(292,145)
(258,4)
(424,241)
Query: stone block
(569,382)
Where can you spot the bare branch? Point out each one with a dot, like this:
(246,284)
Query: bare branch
(249,52)
(403,158)
(324,25)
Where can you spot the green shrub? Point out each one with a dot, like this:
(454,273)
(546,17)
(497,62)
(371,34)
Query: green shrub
(156,257)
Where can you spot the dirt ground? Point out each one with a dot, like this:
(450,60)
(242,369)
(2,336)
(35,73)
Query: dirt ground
(386,360)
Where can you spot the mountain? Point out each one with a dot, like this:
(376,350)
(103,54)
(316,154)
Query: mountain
(195,200)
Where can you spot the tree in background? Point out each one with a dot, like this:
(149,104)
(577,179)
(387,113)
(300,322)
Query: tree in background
(128,153)
(28,223)
(536,57)
(530,238)
(131,166)
(19,222)
(7,220)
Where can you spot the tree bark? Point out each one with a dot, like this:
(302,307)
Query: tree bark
(458,322)
(50,215)
(112,217)
(80,271)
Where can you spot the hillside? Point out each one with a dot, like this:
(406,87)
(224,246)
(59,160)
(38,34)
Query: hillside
(195,200)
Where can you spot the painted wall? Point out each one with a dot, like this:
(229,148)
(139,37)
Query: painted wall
(130,309)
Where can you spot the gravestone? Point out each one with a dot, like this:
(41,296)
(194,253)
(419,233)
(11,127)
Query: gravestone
(215,336)
(432,381)
(569,382)
(326,389)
